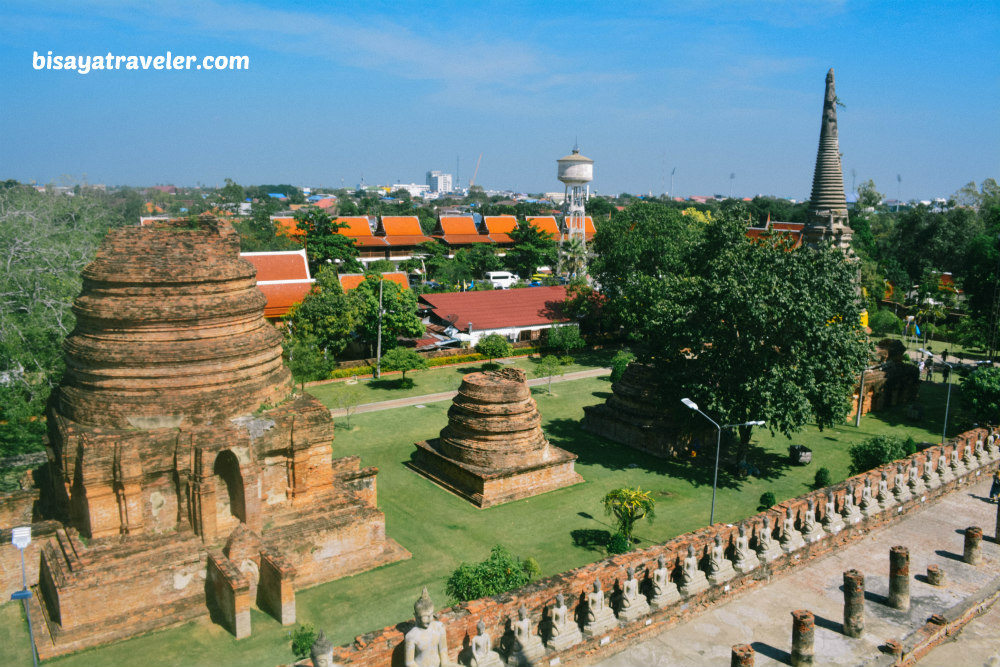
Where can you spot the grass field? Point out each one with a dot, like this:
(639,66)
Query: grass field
(440,530)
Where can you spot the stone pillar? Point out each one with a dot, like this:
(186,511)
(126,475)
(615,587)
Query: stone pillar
(743,656)
(996,531)
(973,545)
(803,633)
(854,603)
(935,575)
(899,578)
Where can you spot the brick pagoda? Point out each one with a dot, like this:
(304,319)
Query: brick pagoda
(493,450)
(190,477)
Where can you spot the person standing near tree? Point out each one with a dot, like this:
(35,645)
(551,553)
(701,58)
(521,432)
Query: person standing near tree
(995,489)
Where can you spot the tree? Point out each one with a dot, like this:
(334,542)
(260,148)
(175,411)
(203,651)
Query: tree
(303,637)
(629,506)
(306,360)
(347,399)
(572,258)
(565,338)
(532,248)
(403,359)
(399,319)
(323,244)
(751,330)
(547,367)
(45,241)
(981,394)
(325,314)
(619,363)
(494,346)
(500,572)
(878,450)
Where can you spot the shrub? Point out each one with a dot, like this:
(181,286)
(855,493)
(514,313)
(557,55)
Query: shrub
(350,372)
(981,394)
(566,360)
(618,544)
(822,478)
(565,338)
(767,499)
(500,572)
(456,359)
(885,322)
(628,506)
(619,363)
(876,451)
(494,346)
(303,637)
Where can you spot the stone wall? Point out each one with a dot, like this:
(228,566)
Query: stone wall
(384,647)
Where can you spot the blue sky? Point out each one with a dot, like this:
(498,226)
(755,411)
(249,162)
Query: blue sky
(389,90)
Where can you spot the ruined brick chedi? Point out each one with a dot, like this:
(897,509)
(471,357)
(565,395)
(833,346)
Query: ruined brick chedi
(493,449)
(193,473)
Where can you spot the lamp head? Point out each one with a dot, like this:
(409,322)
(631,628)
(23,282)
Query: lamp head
(688,402)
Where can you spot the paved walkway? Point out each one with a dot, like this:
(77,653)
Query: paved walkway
(448,395)
(762,618)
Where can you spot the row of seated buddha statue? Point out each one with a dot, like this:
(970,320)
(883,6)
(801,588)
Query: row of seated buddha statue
(528,641)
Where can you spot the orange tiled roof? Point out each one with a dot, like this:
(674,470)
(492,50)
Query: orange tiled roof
(280,265)
(545,223)
(459,224)
(285,226)
(499,309)
(349,281)
(282,295)
(405,240)
(356,226)
(328,202)
(400,225)
(500,224)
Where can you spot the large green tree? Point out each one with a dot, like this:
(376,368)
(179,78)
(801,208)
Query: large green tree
(45,241)
(324,245)
(748,330)
(399,307)
(532,248)
(325,315)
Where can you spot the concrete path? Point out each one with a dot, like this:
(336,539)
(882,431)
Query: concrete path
(448,395)
(762,618)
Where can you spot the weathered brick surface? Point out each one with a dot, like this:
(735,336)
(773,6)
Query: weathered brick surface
(175,433)
(383,647)
(493,449)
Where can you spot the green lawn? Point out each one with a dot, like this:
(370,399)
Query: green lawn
(441,379)
(441,530)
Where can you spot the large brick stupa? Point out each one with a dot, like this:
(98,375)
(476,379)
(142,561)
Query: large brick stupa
(493,449)
(190,478)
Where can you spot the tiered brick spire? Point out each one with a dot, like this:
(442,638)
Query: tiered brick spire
(827,204)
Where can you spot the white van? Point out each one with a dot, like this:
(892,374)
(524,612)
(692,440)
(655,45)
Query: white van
(502,279)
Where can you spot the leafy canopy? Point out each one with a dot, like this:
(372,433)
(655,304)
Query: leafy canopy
(532,248)
(399,307)
(750,330)
(494,346)
(324,314)
(981,394)
(628,506)
(323,244)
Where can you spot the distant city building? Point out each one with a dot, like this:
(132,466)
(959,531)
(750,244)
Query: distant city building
(439,181)
(415,189)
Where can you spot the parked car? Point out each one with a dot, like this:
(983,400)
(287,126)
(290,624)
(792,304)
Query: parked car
(502,279)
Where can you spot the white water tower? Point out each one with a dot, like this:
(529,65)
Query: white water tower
(576,171)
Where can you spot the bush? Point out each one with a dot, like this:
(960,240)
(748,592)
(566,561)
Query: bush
(566,360)
(499,573)
(619,544)
(981,394)
(767,499)
(303,637)
(822,478)
(619,363)
(885,322)
(876,451)
(494,346)
(350,372)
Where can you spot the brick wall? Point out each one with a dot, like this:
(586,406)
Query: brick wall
(384,647)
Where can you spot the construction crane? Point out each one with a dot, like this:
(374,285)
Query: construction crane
(476,172)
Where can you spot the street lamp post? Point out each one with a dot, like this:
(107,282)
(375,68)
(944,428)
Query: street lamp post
(947,404)
(718,444)
(21,537)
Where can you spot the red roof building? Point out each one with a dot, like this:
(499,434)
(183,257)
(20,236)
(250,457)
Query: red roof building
(518,314)
(784,230)
(283,277)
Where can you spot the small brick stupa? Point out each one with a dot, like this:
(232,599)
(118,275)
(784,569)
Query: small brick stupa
(190,478)
(634,415)
(493,450)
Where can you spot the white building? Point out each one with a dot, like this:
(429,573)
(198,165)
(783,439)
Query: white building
(439,181)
